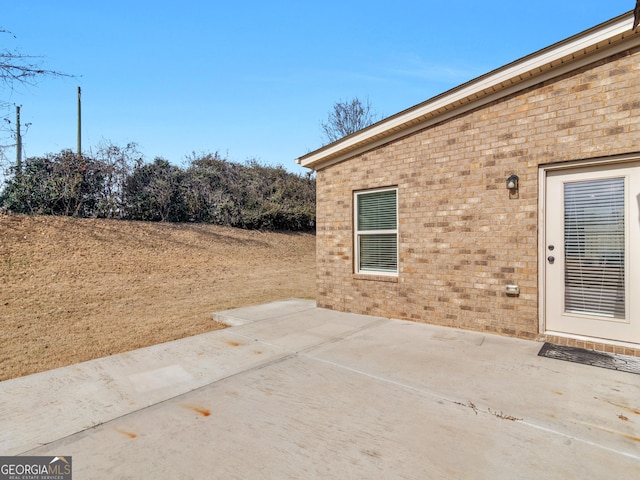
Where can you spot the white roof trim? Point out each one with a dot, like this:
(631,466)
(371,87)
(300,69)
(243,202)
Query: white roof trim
(599,42)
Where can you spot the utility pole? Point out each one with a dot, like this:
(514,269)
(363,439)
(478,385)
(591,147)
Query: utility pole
(79,125)
(18,142)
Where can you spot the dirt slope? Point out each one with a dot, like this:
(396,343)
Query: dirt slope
(76,289)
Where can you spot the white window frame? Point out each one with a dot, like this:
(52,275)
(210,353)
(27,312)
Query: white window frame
(358,234)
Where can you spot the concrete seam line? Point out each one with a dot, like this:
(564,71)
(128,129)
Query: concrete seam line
(322,342)
(279,315)
(274,361)
(438,396)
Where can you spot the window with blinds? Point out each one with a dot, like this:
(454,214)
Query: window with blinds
(594,236)
(376,231)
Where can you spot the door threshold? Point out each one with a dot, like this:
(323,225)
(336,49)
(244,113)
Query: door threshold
(584,338)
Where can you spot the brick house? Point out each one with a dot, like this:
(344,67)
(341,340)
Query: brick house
(509,204)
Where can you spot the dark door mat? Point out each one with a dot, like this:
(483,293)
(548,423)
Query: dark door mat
(623,363)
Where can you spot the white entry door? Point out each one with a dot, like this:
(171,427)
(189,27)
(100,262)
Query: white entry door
(592,252)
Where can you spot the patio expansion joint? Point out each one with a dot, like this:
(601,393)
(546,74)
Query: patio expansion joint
(231,321)
(274,361)
(326,341)
(280,358)
(476,407)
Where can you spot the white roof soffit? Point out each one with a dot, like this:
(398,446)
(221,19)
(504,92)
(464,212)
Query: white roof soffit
(586,47)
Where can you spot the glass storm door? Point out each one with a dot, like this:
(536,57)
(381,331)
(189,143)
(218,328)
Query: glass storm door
(592,252)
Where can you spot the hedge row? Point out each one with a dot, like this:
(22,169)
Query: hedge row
(115,183)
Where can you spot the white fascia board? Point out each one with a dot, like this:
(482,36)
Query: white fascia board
(502,82)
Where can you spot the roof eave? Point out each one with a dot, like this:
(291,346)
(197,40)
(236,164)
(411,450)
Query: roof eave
(562,57)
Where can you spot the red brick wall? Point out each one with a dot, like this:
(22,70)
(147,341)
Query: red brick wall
(462,238)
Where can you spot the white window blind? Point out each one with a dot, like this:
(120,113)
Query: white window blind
(377,231)
(594,235)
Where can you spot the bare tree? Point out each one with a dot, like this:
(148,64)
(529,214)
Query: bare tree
(116,164)
(346,118)
(16,68)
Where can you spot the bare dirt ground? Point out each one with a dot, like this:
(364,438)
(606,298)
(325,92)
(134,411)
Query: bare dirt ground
(76,289)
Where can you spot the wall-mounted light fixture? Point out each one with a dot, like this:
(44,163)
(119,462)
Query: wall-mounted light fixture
(512,182)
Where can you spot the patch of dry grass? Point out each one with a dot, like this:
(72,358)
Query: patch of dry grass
(77,289)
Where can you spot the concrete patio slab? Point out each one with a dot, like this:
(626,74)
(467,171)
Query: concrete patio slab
(330,395)
(84,395)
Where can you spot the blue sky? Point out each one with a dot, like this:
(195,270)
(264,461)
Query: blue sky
(254,80)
